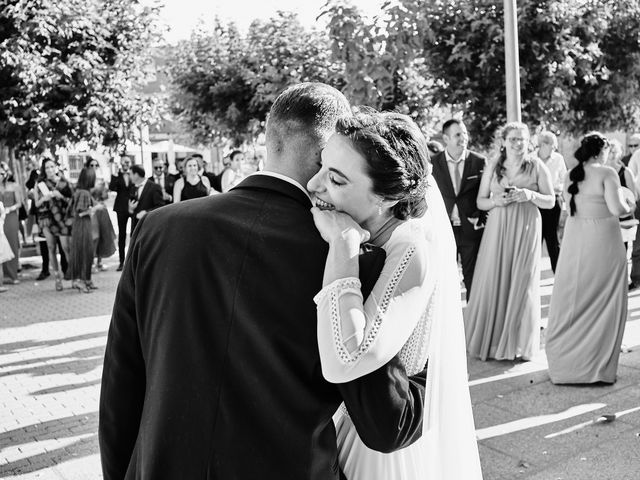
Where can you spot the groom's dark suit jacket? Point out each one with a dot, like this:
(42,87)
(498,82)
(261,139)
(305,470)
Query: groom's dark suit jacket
(467,195)
(212,369)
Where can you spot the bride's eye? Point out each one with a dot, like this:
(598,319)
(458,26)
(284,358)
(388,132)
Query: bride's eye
(332,179)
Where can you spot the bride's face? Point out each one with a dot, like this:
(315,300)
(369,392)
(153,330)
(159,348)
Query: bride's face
(342,183)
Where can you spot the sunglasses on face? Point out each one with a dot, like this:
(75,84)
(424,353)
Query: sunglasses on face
(158,168)
(93,165)
(633,145)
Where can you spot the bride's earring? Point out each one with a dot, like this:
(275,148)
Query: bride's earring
(380,207)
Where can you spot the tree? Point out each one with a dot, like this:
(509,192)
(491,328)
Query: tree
(225,82)
(578,61)
(379,64)
(70,70)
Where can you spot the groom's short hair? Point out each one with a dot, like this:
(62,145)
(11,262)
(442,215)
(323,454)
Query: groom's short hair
(310,109)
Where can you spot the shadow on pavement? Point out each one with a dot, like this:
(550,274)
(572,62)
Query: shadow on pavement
(66,388)
(8,348)
(80,448)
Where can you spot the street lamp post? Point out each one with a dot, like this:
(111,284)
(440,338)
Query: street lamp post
(511,61)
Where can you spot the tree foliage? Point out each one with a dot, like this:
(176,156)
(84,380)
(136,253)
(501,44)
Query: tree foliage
(579,65)
(378,58)
(225,82)
(69,71)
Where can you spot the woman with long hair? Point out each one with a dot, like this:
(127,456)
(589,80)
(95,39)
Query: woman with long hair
(81,234)
(502,318)
(104,235)
(191,184)
(52,195)
(588,307)
(232,174)
(11,196)
(375,185)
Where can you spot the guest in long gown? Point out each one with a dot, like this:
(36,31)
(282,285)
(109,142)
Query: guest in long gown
(589,301)
(11,196)
(191,185)
(52,196)
(104,235)
(81,235)
(6,253)
(502,318)
(375,180)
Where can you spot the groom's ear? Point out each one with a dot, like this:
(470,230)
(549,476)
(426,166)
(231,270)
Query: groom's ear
(370,261)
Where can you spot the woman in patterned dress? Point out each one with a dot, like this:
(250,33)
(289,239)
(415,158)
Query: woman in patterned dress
(52,196)
(375,184)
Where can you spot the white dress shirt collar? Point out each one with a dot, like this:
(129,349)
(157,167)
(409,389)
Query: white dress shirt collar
(449,158)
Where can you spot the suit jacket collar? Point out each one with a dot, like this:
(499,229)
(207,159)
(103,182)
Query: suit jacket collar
(268,182)
(440,161)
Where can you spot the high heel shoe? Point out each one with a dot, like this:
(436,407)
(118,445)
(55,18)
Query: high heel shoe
(90,285)
(76,284)
(58,282)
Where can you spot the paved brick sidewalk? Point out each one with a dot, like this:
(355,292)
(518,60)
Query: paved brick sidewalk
(52,346)
(51,351)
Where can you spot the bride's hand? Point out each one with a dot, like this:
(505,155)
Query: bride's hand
(334,226)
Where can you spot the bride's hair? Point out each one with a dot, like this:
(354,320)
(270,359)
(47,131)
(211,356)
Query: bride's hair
(590,146)
(397,157)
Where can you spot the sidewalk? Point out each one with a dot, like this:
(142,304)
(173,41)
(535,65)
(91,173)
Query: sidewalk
(52,345)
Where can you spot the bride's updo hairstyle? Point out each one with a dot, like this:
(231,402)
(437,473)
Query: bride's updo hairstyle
(591,146)
(397,157)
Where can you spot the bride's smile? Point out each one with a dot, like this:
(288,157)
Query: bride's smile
(322,205)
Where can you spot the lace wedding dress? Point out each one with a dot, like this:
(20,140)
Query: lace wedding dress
(415,310)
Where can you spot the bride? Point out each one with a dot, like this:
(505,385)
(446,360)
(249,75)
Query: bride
(375,185)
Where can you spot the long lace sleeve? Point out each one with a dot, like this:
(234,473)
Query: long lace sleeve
(356,338)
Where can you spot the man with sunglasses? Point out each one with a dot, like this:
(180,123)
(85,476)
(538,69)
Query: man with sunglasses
(163,179)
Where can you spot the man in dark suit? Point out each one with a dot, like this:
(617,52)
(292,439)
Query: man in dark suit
(121,184)
(146,196)
(163,179)
(212,367)
(458,172)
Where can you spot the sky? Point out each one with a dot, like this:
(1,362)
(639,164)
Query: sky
(183,15)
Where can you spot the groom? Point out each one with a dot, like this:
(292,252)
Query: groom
(212,367)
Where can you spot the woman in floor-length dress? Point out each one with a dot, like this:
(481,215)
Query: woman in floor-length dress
(11,196)
(414,309)
(502,318)
(81,232)
(589,301)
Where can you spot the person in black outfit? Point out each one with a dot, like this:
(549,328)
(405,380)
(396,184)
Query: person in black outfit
(192,184)
(44,250)
(123,186)
(164,179)
(145,196)
(457,172)
(212,367)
